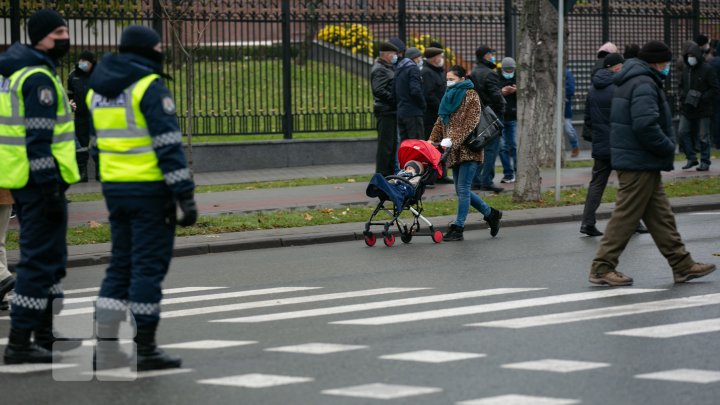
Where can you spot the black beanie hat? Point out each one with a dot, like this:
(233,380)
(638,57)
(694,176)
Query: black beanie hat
(613,59)
(701,40)
(42,23)
(88,56)
(655,52)
(138,39)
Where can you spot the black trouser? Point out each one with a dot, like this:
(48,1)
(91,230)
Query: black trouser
(387,144)
(411,128)
(600,174)
(82,133)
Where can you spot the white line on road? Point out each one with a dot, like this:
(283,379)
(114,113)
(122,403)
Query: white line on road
(375,305)
(604,312)
(168,291)
(498,306)
(256,380)
(32,368)
(514,399)
(382,391)
(684,375)
(672,330)
(209,344)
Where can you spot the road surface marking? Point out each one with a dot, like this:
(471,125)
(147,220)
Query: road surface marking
(604,312)
(125,374)
(208,344)
(432,356)
(316,348)
(168,291)
(672,330)
(382,391)
(256,380)
(684,375)
(556,366)
(519,400)
(32,368)
(82,290)
(498,306)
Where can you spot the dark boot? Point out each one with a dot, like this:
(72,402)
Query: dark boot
(590,230)
(6,286)
(46,337)
(107,351)
(493,221)
(641,228)
(454,233)
(21,350)
(148,355)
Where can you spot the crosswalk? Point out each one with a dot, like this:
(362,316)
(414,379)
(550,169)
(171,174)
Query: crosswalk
(406,306)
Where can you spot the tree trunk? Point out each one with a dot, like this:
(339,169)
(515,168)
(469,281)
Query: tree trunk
(537,59)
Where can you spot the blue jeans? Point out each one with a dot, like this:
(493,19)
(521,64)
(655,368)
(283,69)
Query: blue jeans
(484,177)
(463,175)
(695,135)
(508,149)
(571,134)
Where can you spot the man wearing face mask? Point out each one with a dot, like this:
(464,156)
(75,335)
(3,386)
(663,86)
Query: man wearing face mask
(409,95)
(382,76)
(697,85)
(37,162)
(641,146)
(508,146)
(77,91)
(144,176)
(433,81)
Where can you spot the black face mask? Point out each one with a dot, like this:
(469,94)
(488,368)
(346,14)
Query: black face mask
(62,46)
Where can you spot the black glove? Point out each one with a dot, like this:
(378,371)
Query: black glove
(53,202)
(187,205)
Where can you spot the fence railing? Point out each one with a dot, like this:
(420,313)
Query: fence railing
(289,66)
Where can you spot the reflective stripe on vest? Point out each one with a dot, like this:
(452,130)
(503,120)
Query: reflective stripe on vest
(123,140)
(14,163)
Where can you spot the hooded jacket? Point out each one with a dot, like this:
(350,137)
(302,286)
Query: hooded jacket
(78,84)
(409,90)
(702,78)
(641,132)
(110,78)
(597,112)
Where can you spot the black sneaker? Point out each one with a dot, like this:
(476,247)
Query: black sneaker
(590,230)
(454,233)
(508,179)
(703,167)
(690,164)
(641,229)
(493,221)
(496,190)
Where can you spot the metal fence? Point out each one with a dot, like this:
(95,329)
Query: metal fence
(289,66)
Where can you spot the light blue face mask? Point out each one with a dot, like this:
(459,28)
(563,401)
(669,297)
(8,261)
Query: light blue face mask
(394,59)
(421,63)
(508,75)
(666,71)
(84,66)
(492,60)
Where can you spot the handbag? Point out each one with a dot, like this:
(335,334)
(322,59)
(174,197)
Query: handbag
(487,130)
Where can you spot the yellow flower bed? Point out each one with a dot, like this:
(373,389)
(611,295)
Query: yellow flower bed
(355,37)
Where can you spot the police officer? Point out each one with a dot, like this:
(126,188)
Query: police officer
(37,162)
(77,88)
(144,174)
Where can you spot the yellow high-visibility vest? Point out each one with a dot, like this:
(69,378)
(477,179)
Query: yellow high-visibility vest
(14,164)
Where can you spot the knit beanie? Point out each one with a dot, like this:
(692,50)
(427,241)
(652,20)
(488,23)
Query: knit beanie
(42,23)
(655,52)
(412,53)
(88,56)
(508,63)
(140,40)
(613,59)
(399,44)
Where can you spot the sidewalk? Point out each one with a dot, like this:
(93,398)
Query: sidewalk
(332,196)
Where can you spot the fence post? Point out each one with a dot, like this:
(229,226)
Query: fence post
(287,78)
(157,20)
(14,21)
(696,18)
(605,21)
(509,30)
(666,24)
(402,17)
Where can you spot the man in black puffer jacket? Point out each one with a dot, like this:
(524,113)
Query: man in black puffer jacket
(641,146)
(382,76)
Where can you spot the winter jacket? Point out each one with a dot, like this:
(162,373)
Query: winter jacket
(462,121)
(487,85)
(382,76)
(510,99)
(78,85)
(641,132)
(702,78)
(433,79)
(569,92)
(409,90)
(597,112)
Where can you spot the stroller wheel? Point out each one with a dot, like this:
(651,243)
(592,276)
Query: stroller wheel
(437,236)
(389,240)
(406,237)
(370,239)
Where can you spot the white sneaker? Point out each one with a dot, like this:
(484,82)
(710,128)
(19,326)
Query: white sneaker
(508,179)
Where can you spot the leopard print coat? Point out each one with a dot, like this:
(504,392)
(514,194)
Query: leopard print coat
(462,121)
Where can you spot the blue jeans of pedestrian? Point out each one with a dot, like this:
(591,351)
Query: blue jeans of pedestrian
(463,175)
(508,149)
(570,133)
(695,136)
(485,175)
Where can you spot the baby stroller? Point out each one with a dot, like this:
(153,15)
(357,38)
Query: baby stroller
(405,192)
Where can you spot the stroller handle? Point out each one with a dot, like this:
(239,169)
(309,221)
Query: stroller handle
(445,152)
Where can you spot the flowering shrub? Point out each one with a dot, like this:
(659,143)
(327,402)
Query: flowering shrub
(355,37)
(423,41)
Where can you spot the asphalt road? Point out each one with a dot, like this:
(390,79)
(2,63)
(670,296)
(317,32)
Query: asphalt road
(402,317)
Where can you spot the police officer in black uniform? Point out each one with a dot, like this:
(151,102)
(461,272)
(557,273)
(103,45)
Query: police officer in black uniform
(77,89)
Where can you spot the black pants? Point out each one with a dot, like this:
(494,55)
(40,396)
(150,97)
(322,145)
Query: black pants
(411,128)
(387,144)
(82,133)
(600,174)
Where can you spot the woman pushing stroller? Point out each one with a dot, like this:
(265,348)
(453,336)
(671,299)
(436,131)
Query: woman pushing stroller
(458,115)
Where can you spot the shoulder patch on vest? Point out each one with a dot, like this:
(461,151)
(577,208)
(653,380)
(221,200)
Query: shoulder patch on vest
(45,96)
(168,105)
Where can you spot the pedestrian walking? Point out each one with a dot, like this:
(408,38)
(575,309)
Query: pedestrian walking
(487,85)
(37,162)
(569,127)
(77,92)
(459,114)
(410,96)
(641,146)
(697,87)
(7,280)
(144,176)
(382,80)
(508,145)
(716,114)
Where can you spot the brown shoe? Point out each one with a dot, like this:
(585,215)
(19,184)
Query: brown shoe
(696,271)
(575,152)
(612,278)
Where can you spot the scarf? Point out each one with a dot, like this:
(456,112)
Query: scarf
(450,102)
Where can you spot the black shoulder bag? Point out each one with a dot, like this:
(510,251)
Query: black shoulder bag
(487,130)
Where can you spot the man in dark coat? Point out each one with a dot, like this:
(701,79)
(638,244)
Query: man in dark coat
(508,144)
(641,146)
(382,78)
(487,84)
(434,84)
(716,130)
(697,87)
(410,96)
(77,92)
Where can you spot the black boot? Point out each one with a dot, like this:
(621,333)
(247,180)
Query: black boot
(6,286)
(454,233)
(21,350)
(148,355)
(493,221)
(107,351)
(590,230)
(46,337)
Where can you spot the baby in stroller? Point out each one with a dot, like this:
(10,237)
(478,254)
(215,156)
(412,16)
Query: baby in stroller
(421,163)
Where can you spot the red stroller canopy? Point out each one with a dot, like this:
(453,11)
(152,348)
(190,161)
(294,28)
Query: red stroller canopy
(423,151)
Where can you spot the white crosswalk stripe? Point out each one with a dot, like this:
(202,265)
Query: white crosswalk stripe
(494,307)
(165,292)
(604,312)
(672,330)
